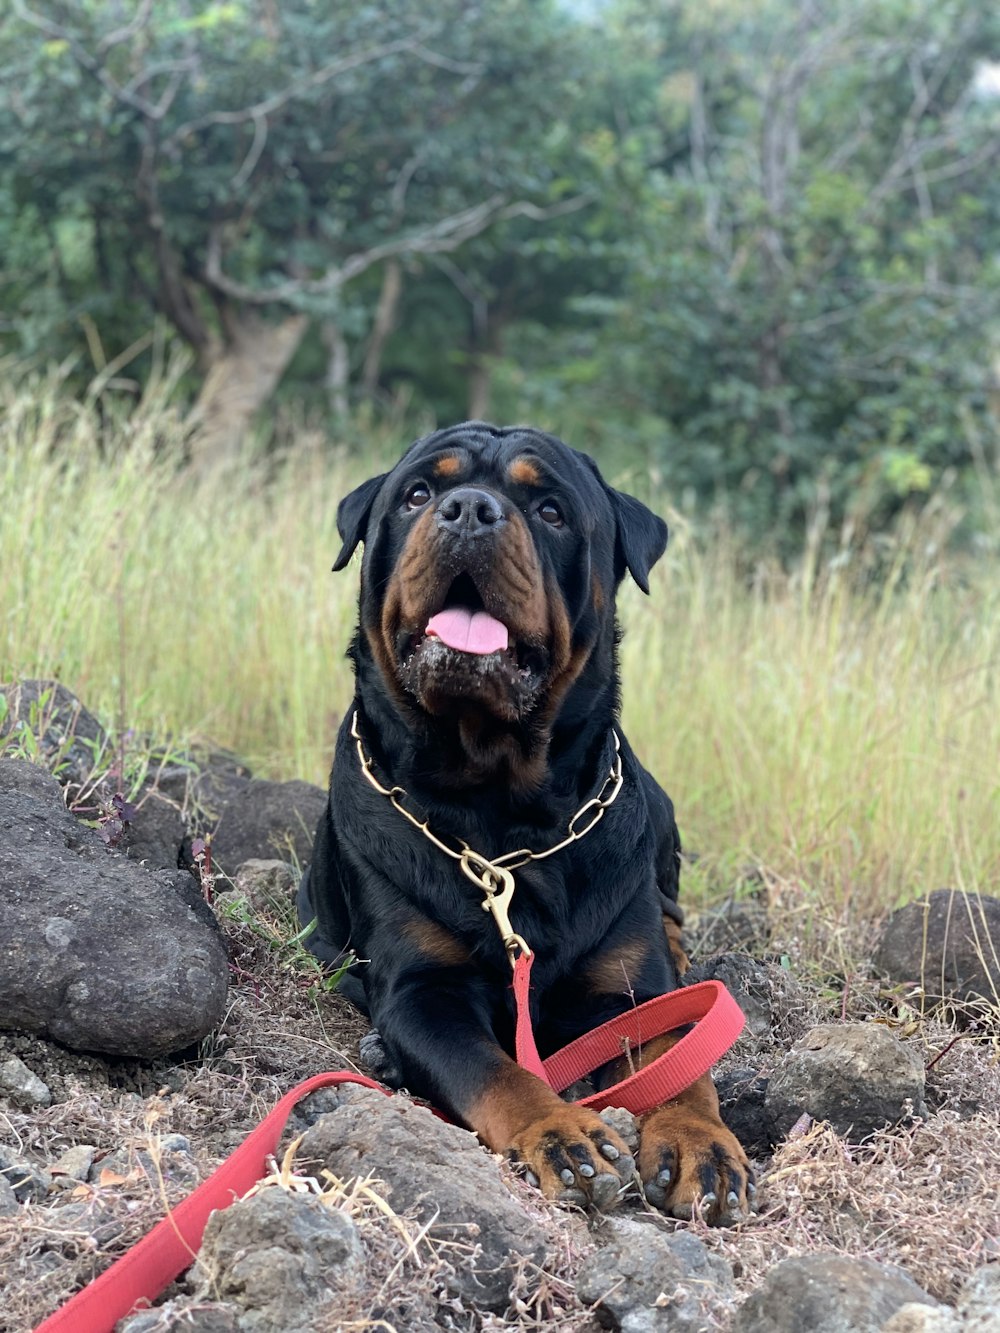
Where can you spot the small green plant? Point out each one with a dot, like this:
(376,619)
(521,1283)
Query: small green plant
(288,949)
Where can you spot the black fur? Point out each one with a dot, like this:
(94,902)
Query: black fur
(375,881)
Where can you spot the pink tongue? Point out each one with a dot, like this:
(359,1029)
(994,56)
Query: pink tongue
(468,631)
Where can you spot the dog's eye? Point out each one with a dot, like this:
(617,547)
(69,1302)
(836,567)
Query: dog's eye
(550,512)
(417,496)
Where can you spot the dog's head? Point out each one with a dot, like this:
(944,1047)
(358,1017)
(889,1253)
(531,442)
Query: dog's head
(491,563)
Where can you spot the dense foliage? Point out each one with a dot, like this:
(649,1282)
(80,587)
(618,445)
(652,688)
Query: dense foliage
(746,247)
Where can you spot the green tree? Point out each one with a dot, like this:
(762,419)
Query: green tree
(812,289)
(236,166)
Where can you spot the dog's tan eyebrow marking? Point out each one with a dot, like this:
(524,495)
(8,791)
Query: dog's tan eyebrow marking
(447,466)
(525,472)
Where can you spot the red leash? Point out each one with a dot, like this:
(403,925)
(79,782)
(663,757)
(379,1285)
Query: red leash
(151,1265)
(163,1253)
(718,1022)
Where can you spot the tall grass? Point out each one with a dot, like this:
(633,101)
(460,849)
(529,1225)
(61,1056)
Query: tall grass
(837,727)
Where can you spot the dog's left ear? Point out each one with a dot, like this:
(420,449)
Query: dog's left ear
(640,540)
(352,517)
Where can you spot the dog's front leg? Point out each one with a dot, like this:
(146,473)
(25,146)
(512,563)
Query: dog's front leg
(437,1029)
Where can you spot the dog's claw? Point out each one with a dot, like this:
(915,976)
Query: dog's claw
(532,1179)
(610,1152)
(654,1194)
(605,1189)
(663,1178)
(566,1176)
(586,1170)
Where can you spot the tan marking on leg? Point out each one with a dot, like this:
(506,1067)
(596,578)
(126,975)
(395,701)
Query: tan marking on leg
(520,1115)
(688,1136)
(437,943)
(615,971)
(674,942)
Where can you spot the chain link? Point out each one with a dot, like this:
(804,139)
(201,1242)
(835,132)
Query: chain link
(494,878)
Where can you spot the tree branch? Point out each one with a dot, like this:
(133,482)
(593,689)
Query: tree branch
(440,238)
(267,105)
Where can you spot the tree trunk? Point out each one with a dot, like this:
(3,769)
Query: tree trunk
(241,374)
(486,345)
(338,369)
(386,317)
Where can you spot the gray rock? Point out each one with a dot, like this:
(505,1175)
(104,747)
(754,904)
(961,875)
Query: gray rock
(155,833)
(855,1075)
(95,951)
(979,1300)
(827,1293)
(281,1259)
(184,1317)
(209,779)
(747,981)
(649,1281)
(161,1159)
(263,820)
(70,740)
(268,886)
(438,1171)
(624,1124)
(914,1318)
(739,924)
(8,1199)
(949,944)
(743,1103)
(22,1086)
(75,1163)
(29,1183)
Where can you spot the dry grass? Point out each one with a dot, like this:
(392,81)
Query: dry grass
(838,728)
(831,739)
(924,1200)
(923,1197)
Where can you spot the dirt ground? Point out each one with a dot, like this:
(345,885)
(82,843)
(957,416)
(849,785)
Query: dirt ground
(923,1197)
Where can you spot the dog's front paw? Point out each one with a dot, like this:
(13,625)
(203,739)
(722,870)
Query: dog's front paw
(376,1060)
(574,1157)
(689,1160)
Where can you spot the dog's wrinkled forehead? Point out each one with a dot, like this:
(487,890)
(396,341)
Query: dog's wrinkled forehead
(506,458)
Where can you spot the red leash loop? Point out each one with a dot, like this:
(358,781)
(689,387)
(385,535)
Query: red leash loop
(718,1021)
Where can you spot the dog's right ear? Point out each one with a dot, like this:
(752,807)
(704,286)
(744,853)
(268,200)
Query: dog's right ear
(352,517)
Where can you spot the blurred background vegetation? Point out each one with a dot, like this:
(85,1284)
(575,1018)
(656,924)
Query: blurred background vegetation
(746,249)
(745,252)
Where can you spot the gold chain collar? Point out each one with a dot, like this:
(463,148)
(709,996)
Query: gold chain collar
(494,878)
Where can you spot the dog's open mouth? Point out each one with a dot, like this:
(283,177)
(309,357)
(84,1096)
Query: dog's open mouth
(465,651)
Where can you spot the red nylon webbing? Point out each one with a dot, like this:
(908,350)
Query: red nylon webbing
(153,1263)
(524,1037)
(719,1021)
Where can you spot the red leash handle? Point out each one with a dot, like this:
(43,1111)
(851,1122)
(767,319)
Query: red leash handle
(153,1263)
(718,1021)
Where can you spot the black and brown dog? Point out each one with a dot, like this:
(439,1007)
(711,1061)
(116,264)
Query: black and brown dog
(487,691)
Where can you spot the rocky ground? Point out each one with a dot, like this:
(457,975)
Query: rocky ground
(874,1120)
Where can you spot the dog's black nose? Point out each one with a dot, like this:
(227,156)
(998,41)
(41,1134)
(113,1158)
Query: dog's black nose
(468,510)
